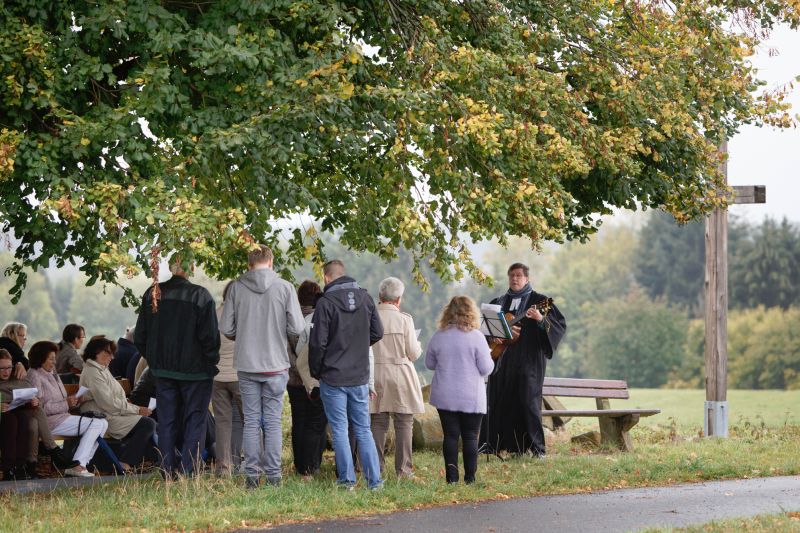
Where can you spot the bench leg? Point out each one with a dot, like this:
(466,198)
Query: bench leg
(615,431)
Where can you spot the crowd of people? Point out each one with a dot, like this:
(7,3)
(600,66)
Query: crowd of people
(344,361)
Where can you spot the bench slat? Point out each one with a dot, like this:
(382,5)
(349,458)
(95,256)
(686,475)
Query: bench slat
(585,383)
(585,393)
(602,413)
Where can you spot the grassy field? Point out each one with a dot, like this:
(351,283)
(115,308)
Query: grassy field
(772,407)
(665,454)
(777,523)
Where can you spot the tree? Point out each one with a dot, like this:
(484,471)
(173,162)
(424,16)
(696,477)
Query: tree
(765,269)
(134,130)
(581,278)
(635,339)
(670,261)
(33,309)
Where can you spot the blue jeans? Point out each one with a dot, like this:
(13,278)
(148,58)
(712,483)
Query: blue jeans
(182,415)
(350,405)
(262,406)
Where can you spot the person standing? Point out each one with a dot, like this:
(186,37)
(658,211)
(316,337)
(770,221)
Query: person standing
(344,326)
(515,387)
(397,387)
(260,313)
(460,358)
(180,341)
(226,402)
(308,414)
(68,359)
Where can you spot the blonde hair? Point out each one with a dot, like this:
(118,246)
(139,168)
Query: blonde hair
(12,331)
(462,313)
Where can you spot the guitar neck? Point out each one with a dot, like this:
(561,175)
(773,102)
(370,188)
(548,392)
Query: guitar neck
(538,306)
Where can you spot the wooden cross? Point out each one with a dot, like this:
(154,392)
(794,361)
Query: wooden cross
(715,421)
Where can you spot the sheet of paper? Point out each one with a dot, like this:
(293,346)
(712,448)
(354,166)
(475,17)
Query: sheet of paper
(22,396)
(418,332)
(81,391)
(152,404)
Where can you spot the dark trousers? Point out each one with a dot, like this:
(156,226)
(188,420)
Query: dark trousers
(138,444)
(182,410)
(308,430)
(456,424)
(14,437)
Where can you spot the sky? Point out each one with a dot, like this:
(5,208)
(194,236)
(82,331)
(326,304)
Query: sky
(767,156)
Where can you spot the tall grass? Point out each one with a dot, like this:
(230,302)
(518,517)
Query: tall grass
(208,503)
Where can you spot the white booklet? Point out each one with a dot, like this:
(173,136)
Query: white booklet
(81,391)
(493,322)
(22,396)
(152,404)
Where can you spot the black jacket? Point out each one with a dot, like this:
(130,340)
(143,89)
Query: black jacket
(17,354)
(344,326)
(125,360)
(181,340)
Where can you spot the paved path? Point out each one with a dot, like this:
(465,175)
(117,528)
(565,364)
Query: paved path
(618,510)
(50,484)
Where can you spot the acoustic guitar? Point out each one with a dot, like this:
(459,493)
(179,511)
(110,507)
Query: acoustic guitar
(499,345)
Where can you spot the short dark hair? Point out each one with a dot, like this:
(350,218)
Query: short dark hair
(72,332)
(334,268)
(40,351)
(5,354)
(262,254)
(307,293)
(97,344)
(519,266)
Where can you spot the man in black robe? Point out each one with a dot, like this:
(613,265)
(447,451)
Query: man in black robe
(514,419)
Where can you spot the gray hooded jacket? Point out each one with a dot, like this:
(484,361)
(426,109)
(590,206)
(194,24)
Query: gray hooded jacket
(261,310)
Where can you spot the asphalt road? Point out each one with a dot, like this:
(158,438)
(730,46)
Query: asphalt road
(612,511)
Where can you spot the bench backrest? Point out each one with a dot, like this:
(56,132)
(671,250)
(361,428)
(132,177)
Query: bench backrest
(71,388)
(586,388)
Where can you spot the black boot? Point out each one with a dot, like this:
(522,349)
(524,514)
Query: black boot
(60,459)
(30,469)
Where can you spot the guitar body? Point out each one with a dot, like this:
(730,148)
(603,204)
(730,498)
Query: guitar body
(498,346)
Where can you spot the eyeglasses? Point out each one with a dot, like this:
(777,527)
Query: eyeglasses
(4,368)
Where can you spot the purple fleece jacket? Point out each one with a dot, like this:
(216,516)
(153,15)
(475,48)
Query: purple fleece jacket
(459,360)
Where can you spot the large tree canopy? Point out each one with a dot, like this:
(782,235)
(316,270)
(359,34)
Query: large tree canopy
(395,123)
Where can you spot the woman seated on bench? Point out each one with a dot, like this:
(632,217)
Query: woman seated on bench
(35,428)
(56,404)
(14,427)
(127,422)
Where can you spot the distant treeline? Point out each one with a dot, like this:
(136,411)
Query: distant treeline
(633,299)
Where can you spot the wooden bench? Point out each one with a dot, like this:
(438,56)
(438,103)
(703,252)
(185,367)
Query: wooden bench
(614,423)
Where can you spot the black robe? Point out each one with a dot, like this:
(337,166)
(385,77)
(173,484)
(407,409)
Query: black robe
(514,417)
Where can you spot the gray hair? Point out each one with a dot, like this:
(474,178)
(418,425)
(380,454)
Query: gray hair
(390,290)
(11,330)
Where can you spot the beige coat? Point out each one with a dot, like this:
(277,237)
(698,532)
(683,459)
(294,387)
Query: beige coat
(107,396)
(227,373)
(396,380)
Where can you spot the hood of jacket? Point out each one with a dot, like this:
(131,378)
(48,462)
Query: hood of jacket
(258,280)
(346,295)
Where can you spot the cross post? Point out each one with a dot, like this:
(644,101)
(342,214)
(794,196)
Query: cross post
(715,420)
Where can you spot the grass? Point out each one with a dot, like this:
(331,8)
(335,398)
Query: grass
(215,504)
(774,523)
(685,406)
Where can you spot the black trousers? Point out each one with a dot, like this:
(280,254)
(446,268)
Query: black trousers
(456,424)
(14,437)
(138,444)
(308,430)
(182,418)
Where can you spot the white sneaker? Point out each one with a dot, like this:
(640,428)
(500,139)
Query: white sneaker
(74,472)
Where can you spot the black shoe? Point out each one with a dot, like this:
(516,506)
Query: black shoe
(60,459)
(16,473)
(30,470)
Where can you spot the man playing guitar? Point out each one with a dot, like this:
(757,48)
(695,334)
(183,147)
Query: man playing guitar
(514,421)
